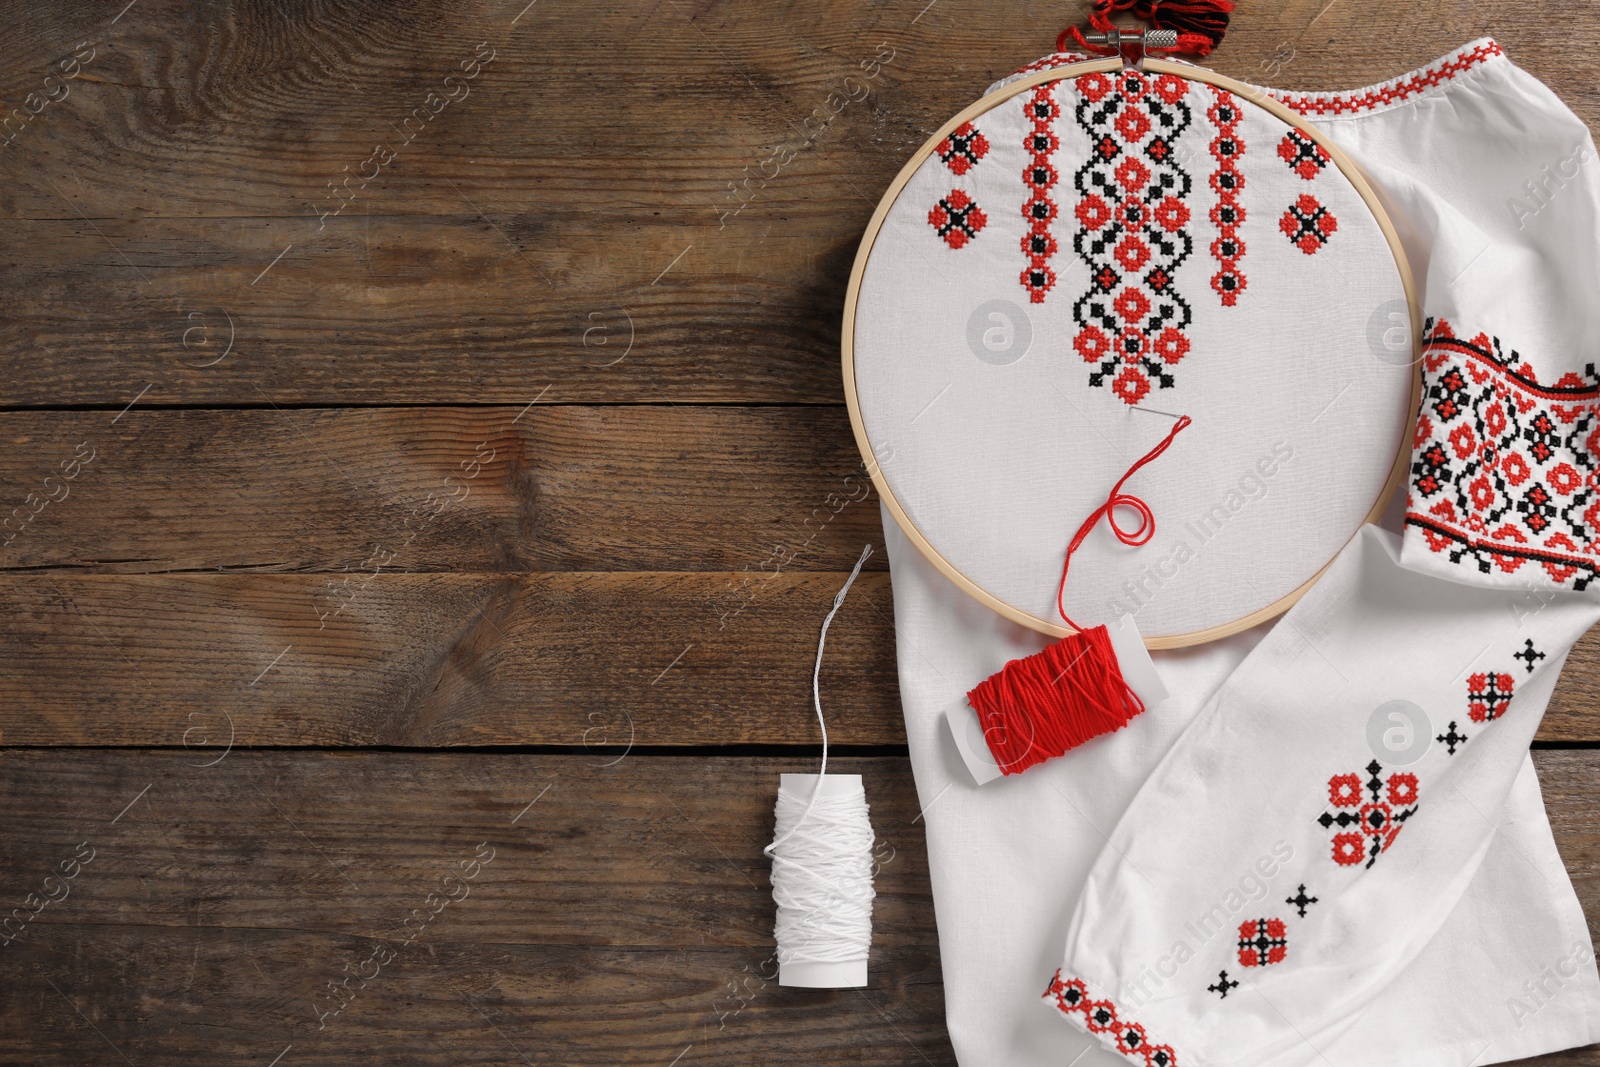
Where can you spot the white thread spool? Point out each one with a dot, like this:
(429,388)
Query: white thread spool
(822,881)
(822,861)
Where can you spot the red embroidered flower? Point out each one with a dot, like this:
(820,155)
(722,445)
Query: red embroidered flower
(1131,385)
(1565,479)
(1131,304)
(1227,181)
(1308,224)
(964,147)
(1132,175)
(1403,789)
(1092,344)
(1481,493)
(1040,211)
(1262,942)
(1170,89)
(1093,87)
(1039,175)
(1229,284)
(1349,849)
(1100,1016)
(1463,441)
(1132,253)
(1171,346)
(1038,245)
(1038,279)
(1223,215)
(1132,124)
(957,219)
(1130,1039)
(1516,468)
(1171,214)
(1344,790)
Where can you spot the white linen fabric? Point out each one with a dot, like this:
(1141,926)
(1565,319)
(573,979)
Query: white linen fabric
(1092,250)
(1250,796)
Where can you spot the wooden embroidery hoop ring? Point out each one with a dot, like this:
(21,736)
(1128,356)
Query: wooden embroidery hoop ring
(1256,95)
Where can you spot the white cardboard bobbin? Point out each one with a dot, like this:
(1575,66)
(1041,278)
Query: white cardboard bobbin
(1138,670)
(811,974)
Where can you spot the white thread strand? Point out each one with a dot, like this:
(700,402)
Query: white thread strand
(822,878)
(822,851)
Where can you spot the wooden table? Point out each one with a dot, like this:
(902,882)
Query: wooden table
(428,424)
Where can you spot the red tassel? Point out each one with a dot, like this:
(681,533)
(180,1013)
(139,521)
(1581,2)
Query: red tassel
(1201,24)
(1040,706)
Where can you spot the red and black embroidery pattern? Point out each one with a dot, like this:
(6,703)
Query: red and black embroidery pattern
(1504,468)
(1262,942)
(1368,824)
(1451,738)
(1131,231)
(957,218)
(1039,211)
(1488,695)
(1308,224)
(963,148)
(1304,156)
(1099,1017)
(1227,181)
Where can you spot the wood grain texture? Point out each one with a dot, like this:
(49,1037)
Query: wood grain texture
(198,145)
(254,556)
(624,914)
(476,659)
(513,489)
(438,660)
(220,901)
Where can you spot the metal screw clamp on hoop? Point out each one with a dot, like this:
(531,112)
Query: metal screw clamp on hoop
(1131,44)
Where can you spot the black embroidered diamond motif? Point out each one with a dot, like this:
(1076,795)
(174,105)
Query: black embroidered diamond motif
(1223,985)
(1452,739)
(1529,655)
(1300,900)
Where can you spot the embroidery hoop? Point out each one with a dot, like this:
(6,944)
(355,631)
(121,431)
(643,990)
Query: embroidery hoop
(1256,95)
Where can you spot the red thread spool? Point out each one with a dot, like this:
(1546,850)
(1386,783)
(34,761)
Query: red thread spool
(1040,706)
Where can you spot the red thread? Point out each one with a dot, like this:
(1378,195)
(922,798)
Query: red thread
(1040,706)
(1201,24)
(1118,499)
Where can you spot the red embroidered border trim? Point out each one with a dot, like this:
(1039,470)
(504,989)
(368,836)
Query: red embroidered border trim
(1070,996)
(1505,469)
(1390,92)
(1371,98)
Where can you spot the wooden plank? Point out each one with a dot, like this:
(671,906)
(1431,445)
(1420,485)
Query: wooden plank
(465,489)
(476,265)
(613,923)
(568,659)
(475,659)
(621,916)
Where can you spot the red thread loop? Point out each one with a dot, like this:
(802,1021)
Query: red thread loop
(1201,24)
(1118,499)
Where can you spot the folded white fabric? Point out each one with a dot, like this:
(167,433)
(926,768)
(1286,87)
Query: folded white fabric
(1278,782)
(1410,914)
(1008,861)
